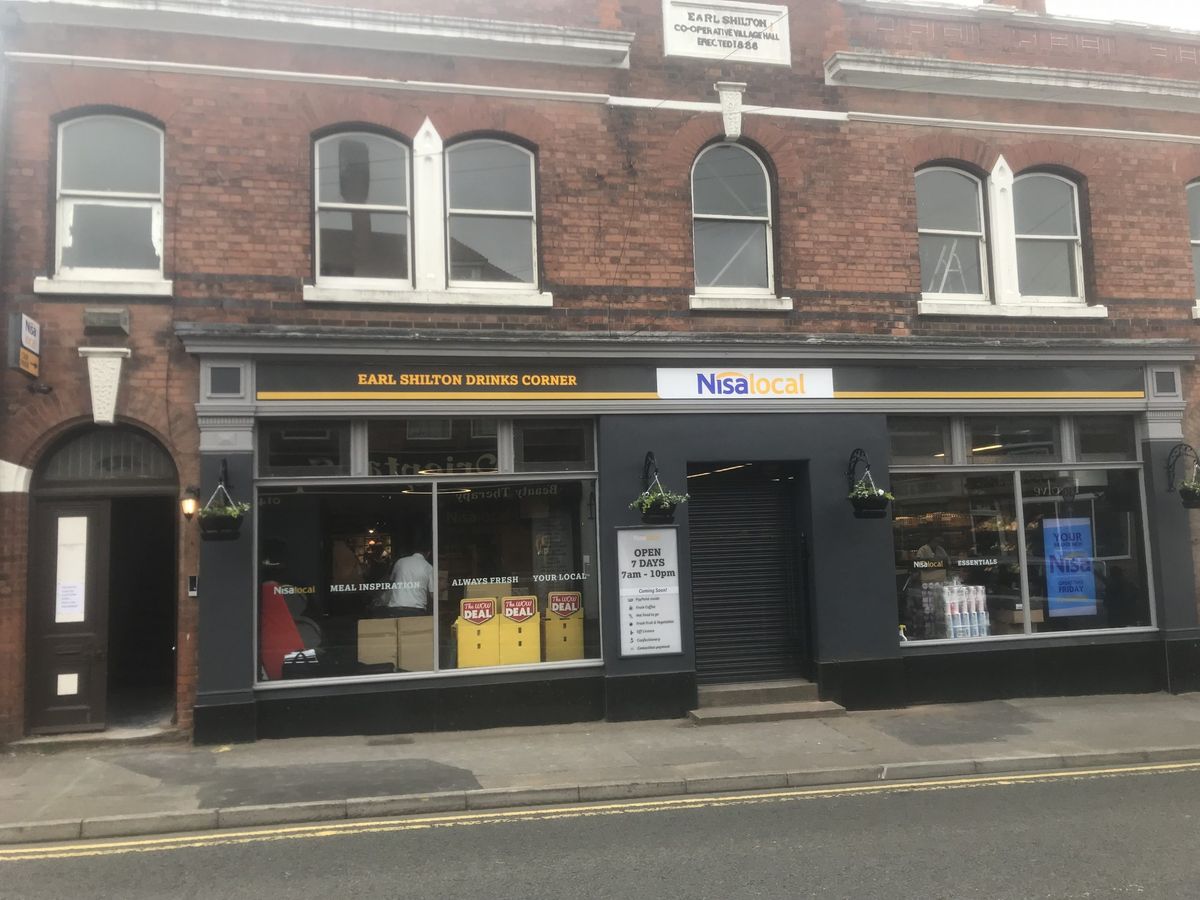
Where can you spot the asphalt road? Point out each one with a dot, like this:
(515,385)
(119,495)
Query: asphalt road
(1119,834)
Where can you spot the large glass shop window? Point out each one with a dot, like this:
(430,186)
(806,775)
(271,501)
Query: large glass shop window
(519,584)
(958,553)
(359,581)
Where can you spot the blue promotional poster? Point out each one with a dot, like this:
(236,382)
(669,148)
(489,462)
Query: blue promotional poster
(1070,581)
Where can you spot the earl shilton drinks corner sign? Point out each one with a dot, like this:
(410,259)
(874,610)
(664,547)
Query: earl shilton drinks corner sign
(736,32)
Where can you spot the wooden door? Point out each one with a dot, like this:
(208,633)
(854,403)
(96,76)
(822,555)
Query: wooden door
(68,616)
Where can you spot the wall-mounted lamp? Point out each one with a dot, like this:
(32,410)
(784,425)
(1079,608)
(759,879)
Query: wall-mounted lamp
(189,503)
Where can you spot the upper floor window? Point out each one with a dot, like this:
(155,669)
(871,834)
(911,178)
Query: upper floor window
(1049,258)
(950,225)
(1018,254)
(109,222)
(363,217)
(731,208)
(1193,203)
(490,213)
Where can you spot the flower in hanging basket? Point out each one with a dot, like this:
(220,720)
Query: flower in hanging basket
(865,489)
(1189,493)
(233,511)
(657,504)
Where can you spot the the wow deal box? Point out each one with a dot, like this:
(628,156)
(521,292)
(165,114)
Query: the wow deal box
(520,636)
(562,627)
(478,631)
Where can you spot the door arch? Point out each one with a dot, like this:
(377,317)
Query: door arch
(102,582)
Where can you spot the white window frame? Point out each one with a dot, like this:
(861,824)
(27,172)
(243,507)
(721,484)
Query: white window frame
(984,296)
(428,263)
(1007,299)
(1194,243)
(351,282)
(1076,240)
(103,280)
(531,216)
(737,297)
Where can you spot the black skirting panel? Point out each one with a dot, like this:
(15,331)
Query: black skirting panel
(661,696)
(996,673)
(224,722)
(442,707)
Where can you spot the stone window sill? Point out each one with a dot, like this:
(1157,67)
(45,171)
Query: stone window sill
(1034,310)
(114,287)
(452,297)
(748,302)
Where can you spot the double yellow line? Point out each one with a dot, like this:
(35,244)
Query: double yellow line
(119,847)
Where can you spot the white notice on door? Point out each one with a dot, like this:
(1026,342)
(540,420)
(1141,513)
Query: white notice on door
(68,684)
(70,583)
(649,591)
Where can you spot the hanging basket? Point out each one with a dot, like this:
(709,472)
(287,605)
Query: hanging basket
(221,518)
(869,507)
(1190,497)
(659,515)
(220,527)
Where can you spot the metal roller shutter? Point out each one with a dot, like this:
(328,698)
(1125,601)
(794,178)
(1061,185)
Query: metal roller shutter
(745,579)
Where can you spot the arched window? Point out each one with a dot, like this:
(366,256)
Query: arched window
(363,215)
(490,220)
(1193,203)
(110,199)
(731,218)
(1049,255)
(951,231)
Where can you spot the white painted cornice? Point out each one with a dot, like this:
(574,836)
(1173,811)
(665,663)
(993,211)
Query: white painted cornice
(288,21)
(1013,16)
(889,72)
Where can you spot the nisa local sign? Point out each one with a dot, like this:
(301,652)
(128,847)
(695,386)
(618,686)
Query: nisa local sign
(720,383)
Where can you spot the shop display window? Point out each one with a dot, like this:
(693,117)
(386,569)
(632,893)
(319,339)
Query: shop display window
(518,573)
(1009,439)
(970,564)
(1085,558)
(431,446)
(956,544)
(1105,439)
(553,445)
(359,581)
(919,440)
(300,449)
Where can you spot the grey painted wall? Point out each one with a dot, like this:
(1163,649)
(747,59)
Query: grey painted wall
(853,595)
(1170,540)
(226,596)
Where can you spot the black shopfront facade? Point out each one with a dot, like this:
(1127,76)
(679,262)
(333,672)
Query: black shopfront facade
(433,527)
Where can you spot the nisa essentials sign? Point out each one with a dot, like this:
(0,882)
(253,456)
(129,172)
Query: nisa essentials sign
(719,383)
(1070,580)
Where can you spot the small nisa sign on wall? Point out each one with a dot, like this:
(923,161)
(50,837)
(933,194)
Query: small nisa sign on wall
(737,32)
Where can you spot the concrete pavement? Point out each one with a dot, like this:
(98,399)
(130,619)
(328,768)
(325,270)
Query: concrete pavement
(127,790)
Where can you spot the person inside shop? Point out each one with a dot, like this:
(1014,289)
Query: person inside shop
(934,548)
(411,590)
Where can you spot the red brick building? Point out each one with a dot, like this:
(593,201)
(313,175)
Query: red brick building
(423,291)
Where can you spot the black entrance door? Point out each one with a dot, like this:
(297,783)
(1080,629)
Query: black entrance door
(747,570)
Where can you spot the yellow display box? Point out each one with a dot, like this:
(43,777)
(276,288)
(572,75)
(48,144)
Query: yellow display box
(562,627)
(520,636)
(478,632)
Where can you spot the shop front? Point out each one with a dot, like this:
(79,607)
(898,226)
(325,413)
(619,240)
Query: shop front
(440,536)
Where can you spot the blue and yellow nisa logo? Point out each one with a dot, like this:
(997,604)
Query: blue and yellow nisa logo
(730,384)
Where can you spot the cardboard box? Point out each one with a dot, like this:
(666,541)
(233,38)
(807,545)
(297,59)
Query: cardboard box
(483,591)
(414,635)
(377,642)
(1016,616)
